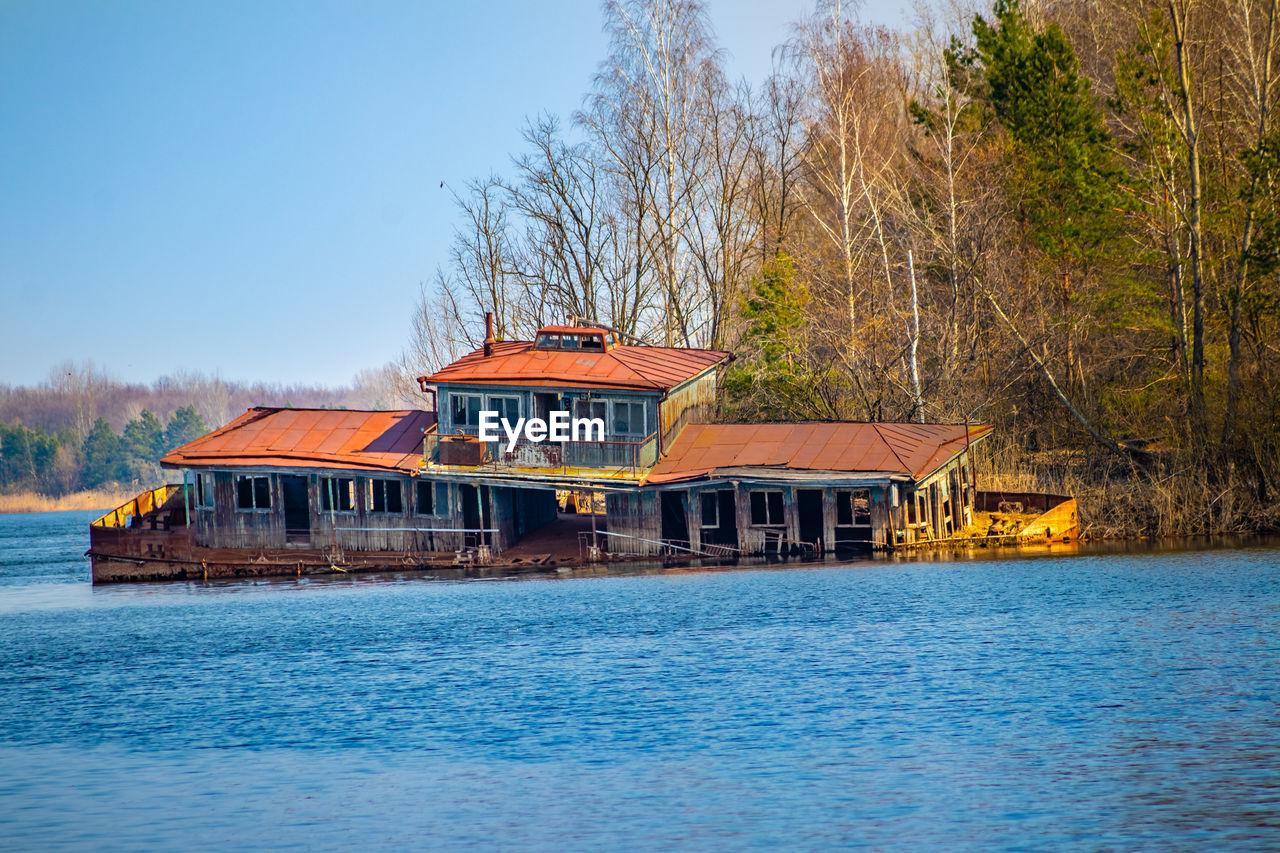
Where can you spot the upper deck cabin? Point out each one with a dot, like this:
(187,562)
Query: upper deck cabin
(643,394)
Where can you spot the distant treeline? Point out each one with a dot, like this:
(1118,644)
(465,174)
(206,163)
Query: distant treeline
(82,429)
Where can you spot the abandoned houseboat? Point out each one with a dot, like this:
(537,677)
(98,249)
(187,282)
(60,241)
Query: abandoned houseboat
(292,490)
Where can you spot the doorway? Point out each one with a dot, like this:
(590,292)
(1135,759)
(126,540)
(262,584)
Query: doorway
(297,508)
(675,519)
(475,514)
(809,511)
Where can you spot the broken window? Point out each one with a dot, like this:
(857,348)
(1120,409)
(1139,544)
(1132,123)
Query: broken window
(628,418)
(592,343)
(386,496)
(853,508)
(466,409)
(589,409)
(433,498)
(710,509)
(253,492)
(766,509)
(337,494)
(204,491)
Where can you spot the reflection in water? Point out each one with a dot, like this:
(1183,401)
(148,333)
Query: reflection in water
(1103,700)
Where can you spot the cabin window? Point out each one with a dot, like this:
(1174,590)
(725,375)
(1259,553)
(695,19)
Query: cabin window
(548,341)
(204,491)
(590,409)
(853,509)
(508,408)
(766,509)
(592,343)
(253,493)
(386,496)
(337,494)
(710,509)
(628,418)
(433,498)
(466,409)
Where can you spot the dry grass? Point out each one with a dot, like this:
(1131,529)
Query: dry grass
(1119,500)
(103,499)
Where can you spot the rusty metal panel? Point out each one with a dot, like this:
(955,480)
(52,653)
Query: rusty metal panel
(622,367)
(914,450)
(310,438)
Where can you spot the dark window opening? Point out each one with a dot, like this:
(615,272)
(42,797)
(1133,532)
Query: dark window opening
(253,493)
(204,490)
(386,496)
(466,409)
(710,509)
(337,494)
(433,498)
(853,509)
(766,509)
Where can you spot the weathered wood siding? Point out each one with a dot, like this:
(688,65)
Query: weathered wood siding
(637,516)
(692,402)
(358,529)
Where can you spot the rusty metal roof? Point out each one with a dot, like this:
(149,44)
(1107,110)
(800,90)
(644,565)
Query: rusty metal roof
(914,450)
(310,438)
(622,366)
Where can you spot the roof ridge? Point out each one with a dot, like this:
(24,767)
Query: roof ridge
(876,426)
(617,358)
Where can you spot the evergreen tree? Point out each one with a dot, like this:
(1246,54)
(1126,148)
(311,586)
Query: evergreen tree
(1064,170)
(105,460)
(185,426)
(144,437)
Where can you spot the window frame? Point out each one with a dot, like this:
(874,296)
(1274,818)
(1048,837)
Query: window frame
(259,488)
(382,486)
(847,499)
(506,398)
(205,489)
(439,491)
(768,506)
(632,404)
(584,407)
(328,497)
(454,396)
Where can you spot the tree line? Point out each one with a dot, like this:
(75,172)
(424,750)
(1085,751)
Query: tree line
(1060,217)
(83,429)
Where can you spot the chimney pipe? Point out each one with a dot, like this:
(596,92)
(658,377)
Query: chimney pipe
(488,334)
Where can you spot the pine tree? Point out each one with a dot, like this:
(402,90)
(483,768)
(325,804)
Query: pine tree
(105,459)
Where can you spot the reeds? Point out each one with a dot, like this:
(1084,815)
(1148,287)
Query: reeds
(103,499)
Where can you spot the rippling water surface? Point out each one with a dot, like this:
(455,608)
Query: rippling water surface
(1117,701)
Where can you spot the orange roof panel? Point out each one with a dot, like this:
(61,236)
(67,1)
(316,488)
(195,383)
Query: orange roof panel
(623,367)
(310,438)
(913,450)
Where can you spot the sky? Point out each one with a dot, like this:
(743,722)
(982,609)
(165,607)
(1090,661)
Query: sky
(251,189)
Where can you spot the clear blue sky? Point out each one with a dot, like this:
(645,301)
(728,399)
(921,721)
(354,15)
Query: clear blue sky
(252,189)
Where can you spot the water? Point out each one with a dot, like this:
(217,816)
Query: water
(1091,702)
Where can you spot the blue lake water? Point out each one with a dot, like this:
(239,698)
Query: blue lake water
(1125,701)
